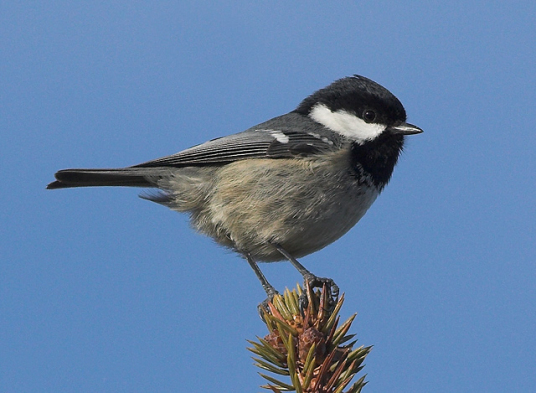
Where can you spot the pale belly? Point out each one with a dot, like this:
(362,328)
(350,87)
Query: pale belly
(266,205)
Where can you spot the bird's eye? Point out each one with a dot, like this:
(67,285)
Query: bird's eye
(369,116)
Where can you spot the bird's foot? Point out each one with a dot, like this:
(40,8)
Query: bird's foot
(263,307)
(312,281)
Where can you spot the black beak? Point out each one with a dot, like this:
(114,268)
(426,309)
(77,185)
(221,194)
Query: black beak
(404,129)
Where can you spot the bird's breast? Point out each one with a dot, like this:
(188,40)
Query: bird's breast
(304,205)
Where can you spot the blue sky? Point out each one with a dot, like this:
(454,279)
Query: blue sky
(101,291)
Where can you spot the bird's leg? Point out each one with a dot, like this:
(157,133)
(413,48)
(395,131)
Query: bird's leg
(310,278)
(268,288)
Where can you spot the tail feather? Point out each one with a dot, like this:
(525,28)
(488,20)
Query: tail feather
(127,177)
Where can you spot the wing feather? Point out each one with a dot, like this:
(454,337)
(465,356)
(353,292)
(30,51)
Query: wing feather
(252,143)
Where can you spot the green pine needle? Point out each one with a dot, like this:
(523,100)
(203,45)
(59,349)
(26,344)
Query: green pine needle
(307,346)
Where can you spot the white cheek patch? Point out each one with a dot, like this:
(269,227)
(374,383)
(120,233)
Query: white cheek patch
(346,124)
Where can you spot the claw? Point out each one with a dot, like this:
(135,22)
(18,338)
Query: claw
(319,282)
(263,307)
(310,278)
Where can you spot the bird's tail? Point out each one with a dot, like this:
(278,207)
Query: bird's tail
(127,177)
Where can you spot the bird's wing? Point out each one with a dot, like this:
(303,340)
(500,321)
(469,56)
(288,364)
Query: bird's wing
(253,143)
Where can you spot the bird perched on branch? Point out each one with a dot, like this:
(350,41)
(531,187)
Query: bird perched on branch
(284,188)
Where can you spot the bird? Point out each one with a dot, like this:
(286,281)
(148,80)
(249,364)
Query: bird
(284,188)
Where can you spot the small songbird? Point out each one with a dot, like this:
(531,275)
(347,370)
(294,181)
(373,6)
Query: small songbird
(284,188)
